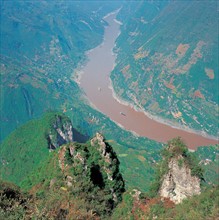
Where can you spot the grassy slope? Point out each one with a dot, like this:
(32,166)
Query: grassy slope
(25,148)
(209,159)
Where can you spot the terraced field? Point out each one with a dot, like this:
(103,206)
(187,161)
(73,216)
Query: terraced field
(167,62)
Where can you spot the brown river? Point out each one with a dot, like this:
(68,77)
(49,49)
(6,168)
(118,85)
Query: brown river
(96,84)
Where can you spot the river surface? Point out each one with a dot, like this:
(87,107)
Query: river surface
(95,82)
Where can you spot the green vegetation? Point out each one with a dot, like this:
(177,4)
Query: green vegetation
(12,201)
(124,210)
(137,165)
(164,67)
(25,148)
(88,173)
(208,158)
(42,44)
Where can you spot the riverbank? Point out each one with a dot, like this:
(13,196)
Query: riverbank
(149,115)
(96,84)
(159,119)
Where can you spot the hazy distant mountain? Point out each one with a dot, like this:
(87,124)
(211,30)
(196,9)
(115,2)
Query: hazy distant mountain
(41,45)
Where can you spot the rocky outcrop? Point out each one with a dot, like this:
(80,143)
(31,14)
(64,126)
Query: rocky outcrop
(61,132)
(106,152)
(110,166)
(92,170)
(178,183)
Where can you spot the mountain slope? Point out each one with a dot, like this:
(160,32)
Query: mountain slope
(25,148)
(85,180)
(42,43)
(167,61)
(178,185)
(80,180)
(135,206)
(183,174)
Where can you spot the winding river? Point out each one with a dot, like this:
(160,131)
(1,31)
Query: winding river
(95,82)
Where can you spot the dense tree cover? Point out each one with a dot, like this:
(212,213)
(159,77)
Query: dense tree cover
(74,181)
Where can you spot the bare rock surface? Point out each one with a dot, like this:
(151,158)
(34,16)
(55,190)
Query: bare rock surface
(178,183)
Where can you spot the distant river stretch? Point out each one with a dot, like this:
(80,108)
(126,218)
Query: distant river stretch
(96,84)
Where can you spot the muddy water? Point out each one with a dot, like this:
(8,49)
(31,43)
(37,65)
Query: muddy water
(95,83)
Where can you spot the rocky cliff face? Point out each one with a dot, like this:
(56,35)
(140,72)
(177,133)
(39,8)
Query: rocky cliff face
(88,173)
(98,162)
(80,180)
(61,132)
(178,183)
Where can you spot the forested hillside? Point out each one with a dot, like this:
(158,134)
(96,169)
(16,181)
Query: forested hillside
(42,43)
(60,157)
(167,61)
